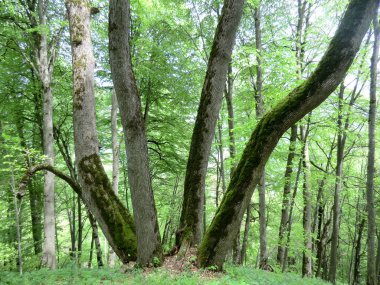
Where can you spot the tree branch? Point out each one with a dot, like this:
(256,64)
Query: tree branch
(34,169)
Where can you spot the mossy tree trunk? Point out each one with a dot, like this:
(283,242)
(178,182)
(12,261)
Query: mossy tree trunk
(303,99)
(113,218)
(370,187)
(204,129)
(149,250)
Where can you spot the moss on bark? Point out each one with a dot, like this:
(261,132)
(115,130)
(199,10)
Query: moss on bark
(117,218)
(329,73)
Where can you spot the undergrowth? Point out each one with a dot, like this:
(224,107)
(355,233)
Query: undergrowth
(234,275)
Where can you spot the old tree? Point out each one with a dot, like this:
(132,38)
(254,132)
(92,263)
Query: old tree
(187,161)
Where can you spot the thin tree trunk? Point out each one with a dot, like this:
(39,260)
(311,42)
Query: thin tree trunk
(338,189)
(17,207)
(236,254)
(115,162)
(114,219)
(263,263)
(306,261)
(243,254)
(96,240)
(80,231)
(290,220)
(370,188)
(221,155)
(204,128)
(49,252)
(286,195)
(303,99)
(356,275)
(149,249)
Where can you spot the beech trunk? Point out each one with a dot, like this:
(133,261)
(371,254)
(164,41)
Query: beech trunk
(113,218)
(303,99)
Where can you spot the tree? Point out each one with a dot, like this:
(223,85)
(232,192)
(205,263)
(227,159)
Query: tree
(370,191)
(144,209)
(190,228)
(97,194)
(304,98)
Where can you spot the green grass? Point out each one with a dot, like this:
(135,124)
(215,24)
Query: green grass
(234,275)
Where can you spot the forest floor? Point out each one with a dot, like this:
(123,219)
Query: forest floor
(159,276)
(173,271)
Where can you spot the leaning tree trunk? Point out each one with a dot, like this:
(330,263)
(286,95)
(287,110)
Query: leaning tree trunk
(303,99)
(149,250)
(113,218)
(48,253)
(211,99)
(370,188)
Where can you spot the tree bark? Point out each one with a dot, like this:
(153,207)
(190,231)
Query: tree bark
(149,250)
(370,187)
(115,162)
(356,276)
(303,99)
(260,109)
(204,128)
(338,189)
(48,253)
(306,193)
(285,196)
(97,193)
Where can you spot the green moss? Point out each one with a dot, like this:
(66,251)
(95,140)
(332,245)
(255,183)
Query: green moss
(116,216)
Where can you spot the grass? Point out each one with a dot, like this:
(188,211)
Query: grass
(234,275)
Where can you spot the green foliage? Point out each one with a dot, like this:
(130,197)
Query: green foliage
(234,275)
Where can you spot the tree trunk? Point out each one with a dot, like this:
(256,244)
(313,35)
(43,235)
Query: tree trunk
(48,255)
(306,261)
(303,99)
(237,251)
(97,193)
(290,220)
(149,250)
(370,188)
(95,238)
(356,276)
(204,128)
(286,195)
(17,208)
(338,189)
(115,162)
(263,263)
(244,246)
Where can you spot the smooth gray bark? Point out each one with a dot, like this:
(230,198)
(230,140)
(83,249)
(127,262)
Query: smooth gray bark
(149,250)
(115,161)
(48,252)
(303,99)
(204,128)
